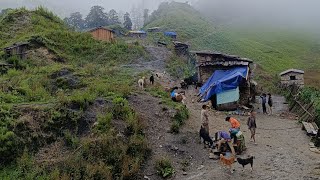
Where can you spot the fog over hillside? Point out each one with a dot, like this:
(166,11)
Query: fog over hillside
(302,14)
(65,7)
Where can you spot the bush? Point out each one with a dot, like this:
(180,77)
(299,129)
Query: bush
(179,118)
(164,168)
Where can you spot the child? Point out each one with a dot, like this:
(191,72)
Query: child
(270,103)
(252,125)
(264,101)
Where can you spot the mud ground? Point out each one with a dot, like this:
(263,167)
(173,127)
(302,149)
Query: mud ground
(282,151)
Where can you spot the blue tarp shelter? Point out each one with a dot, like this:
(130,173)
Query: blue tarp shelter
(223,80)
(170,34)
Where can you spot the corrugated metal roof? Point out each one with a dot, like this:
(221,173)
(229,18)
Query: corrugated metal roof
(291,70)
(227,56)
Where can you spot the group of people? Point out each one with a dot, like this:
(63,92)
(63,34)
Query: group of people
(229,137)
(264,101)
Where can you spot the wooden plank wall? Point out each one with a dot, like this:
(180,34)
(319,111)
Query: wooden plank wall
(103,35)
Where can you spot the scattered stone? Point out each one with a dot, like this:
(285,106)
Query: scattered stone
(201,167)
(146,177)
(160,146)
(185,173)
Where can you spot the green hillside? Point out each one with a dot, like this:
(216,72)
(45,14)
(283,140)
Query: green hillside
(59,106)
(272,49)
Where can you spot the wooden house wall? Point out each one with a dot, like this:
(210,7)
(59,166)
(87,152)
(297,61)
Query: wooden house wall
(103,35)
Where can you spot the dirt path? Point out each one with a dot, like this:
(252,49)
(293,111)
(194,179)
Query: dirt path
(282,151)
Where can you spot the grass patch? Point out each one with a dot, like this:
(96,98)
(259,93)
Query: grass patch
(164,168)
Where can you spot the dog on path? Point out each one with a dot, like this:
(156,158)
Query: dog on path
(245,162)
(142,82)
(227,161)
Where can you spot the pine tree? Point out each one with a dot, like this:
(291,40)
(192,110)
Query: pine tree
(127,21)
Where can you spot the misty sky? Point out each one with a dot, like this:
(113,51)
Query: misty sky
(296,13)
(65,7)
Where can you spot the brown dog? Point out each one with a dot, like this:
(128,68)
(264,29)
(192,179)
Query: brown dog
(227,161)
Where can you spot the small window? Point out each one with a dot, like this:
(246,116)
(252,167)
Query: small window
(293,78)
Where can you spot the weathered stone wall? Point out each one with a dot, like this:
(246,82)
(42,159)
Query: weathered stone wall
(285,79)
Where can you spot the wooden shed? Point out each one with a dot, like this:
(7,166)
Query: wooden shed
(292,77)
(102,34)
(17,49)
(208,62)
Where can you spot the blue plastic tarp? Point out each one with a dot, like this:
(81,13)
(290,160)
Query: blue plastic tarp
(170,33)
(223,80)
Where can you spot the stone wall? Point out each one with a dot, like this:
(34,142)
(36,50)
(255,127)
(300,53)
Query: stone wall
(285,79)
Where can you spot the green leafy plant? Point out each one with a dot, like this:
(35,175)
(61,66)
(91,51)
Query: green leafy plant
(164,168)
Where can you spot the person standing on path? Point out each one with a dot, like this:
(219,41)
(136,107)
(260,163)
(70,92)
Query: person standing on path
(264,101)
(235,127)
(252,125)
(270,103)
(205,118)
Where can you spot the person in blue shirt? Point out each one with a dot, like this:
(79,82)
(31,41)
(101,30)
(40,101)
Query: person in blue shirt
(173,94)
(264,101)
(225,137)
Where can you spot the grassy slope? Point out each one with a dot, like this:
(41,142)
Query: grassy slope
(273,50)
(34,113)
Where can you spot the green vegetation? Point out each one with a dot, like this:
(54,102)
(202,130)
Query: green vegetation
(180,67)
(273,50)
(312,95)
(164,168)
(182,113)
(63,108)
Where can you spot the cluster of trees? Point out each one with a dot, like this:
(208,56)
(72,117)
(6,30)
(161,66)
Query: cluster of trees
(98,17)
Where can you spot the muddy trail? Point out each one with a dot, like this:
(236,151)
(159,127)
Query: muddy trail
(282,151)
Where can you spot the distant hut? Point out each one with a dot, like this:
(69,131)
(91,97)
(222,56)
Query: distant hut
(181,49)
(154,29)
(17,49)
(171,34)
(292,77)
(102,34)
(226,79)
(137,34)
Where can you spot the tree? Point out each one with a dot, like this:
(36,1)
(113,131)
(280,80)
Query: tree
(127,21)
(96,17)
(113,17)
(145,16)
(75,20)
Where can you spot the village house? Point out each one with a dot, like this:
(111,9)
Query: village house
(292,77)
(137,34)
(227,79)
(102,34)
(154,29)
(17,49)
(181,49)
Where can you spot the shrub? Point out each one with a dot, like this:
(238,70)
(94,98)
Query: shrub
(120,108)
(104,123)
(164,168)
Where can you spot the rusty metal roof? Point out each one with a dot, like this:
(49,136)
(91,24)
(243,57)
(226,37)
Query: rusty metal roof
(100,28)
